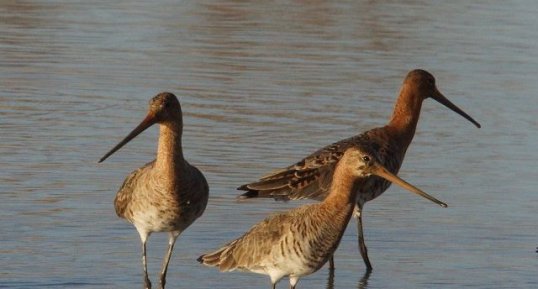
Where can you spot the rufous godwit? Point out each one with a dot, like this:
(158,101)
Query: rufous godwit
(300,241)
(167,194)
(311,177)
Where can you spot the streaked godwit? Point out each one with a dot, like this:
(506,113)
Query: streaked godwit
(297,243)
(167,194)
(311,177)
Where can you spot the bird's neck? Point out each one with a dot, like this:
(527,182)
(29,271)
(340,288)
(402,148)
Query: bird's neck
(403,122)
(169,152)
(343,192)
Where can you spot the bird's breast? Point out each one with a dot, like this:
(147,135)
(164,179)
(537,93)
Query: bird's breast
(157,206)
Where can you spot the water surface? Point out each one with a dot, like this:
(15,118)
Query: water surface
(262,84)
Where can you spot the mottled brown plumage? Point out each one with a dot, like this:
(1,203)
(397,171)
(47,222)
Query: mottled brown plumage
(311,177)
(299,242)
(167,194)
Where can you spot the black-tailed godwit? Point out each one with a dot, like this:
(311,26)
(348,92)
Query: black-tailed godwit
(167,194)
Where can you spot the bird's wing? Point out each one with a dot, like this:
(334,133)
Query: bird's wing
(254,250)
(309,178)
(124,194)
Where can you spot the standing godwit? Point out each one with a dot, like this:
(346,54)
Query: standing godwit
(311,177)
(167,194)
(300,241)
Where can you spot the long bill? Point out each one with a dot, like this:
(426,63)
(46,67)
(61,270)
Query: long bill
(381,171)
(147,122)
(444,101)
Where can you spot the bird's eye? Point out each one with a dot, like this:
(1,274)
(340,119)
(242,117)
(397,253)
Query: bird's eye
(366,159)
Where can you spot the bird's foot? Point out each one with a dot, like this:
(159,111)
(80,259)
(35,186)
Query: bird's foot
(147,283)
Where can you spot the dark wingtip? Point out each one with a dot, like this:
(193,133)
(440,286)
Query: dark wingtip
(243,188)
(248,195)
(201,259)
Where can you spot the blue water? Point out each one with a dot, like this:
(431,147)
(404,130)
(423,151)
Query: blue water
(262,84)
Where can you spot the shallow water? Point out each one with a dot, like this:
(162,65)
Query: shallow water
(262,84)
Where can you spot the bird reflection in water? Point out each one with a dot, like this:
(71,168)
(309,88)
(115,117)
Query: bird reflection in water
(362,284)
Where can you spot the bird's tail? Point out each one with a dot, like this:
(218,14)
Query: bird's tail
(222,258)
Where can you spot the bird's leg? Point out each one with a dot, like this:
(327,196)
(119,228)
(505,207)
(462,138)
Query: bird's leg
(362,245)
(147,283)
(273,286)
(330,280)
(331,263)
(171,241)
(144,235)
